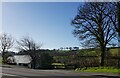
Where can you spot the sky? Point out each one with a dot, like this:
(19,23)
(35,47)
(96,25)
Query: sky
(0,17)
(46,22)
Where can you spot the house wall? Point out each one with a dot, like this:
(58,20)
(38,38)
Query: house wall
(20,60)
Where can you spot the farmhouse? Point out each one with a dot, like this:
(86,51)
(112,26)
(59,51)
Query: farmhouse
(24,60)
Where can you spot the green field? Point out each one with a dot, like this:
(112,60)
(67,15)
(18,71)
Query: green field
(115,51)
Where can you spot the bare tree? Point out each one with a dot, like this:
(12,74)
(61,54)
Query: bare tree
(116,22)
(93,27)
(118,18)
(30,47)
(6,42)
(27,43)
(114,15)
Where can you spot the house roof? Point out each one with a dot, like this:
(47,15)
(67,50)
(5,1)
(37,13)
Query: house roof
(22,59)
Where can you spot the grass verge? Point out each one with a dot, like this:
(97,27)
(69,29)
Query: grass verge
(0,60)
(100,69)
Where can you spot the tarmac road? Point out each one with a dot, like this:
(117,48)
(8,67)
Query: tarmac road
(21,72)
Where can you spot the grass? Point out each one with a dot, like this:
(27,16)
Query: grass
(115,52)
(0,60)
(58,65)
(100,69)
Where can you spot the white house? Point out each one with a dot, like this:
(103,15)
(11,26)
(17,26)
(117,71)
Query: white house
(20,60)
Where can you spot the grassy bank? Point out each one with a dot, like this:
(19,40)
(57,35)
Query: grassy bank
(100,69)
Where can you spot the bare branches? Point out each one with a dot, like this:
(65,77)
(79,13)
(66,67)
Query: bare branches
(30,47)
(6,42)
(93,19)
(27,43)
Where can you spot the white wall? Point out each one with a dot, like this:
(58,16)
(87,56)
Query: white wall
(22,59)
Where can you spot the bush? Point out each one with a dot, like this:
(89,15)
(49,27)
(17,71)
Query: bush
(45,60)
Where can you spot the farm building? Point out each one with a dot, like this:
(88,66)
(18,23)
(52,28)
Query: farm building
(24,60)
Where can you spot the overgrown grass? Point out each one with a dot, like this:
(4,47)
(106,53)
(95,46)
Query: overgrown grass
(100,69)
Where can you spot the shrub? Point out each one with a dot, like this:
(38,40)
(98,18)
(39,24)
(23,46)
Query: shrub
(45,60)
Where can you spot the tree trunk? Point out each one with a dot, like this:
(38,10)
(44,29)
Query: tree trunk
(3,56)
(33,63)
(102,55)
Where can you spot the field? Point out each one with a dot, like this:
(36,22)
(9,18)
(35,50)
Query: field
(88,58)
(115,51)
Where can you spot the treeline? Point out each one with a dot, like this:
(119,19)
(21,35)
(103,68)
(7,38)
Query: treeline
(71,59)
(83,58)
(88,58)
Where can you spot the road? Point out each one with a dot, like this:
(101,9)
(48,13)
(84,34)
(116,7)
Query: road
(21,72)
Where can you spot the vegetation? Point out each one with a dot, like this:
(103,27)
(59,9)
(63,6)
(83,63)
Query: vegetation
(46,61)
(30,47)
(115,17)
(100,69)
(86,58)
(115,51)
(40,58)
(93,27)
(27,44)
(96,25)
(0,60)
(58,65)
(6,42)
